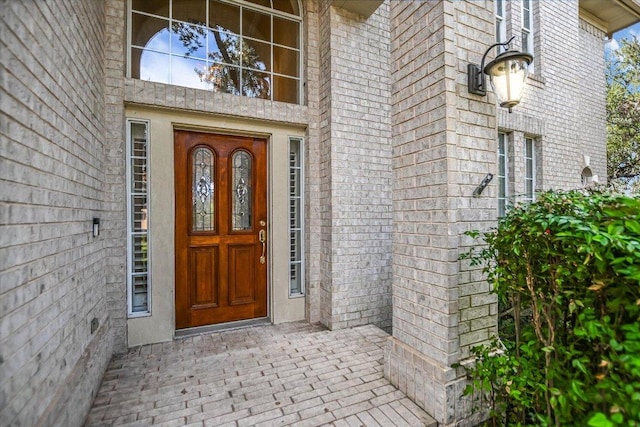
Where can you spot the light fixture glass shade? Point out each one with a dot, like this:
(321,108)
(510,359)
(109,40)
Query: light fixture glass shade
(508,73)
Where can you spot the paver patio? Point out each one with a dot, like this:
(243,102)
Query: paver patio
(274,375)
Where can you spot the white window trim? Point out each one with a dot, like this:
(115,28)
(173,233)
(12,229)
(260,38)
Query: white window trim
(130,312)
(301,229)
(530,42)
(501,24)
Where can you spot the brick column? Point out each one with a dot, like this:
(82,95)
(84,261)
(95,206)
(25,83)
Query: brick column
(354,168)
(443,146)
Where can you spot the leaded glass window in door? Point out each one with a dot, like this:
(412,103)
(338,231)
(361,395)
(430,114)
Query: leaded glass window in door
(241,194)
(203,189)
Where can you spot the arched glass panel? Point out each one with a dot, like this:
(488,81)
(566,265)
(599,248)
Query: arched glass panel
(241,210)
(250,49)
(203,189)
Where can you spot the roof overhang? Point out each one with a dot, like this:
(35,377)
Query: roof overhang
(610,15)
(361,7)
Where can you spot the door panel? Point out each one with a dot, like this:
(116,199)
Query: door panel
(204,267)
(221,216)
(241,280)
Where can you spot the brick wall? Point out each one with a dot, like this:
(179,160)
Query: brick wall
(355,168)
(312,165)
(476,156)
(592,131)
(52,180)
(564,102)
(444,145)
(115,226)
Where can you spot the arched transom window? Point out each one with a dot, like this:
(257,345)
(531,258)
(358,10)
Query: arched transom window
(249,48)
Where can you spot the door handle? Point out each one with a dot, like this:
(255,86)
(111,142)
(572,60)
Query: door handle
(262,235)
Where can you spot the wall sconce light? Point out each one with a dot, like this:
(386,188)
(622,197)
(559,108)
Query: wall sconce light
(507,73)
(96,227)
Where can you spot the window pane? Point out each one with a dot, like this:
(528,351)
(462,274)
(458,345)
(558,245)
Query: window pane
(153,66)
(529,188)
(256,55)
(138,213)
(224,47)
(203,189)
(526,9)
(189,72)
(285,61)
(139,253)
(256,84)
(525,41)
(285,89)
(242,195)
(139,293)
(265,3)
(156,7)
(256,25)
(146,28)
(193,11)
(222,78)
(223,16)
(287,6)
(286,32)
(188,40)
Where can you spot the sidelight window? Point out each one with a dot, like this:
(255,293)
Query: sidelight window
(296,229)
(138,278)
(248,48)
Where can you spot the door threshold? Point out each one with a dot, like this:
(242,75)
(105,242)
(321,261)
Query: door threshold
(221,327)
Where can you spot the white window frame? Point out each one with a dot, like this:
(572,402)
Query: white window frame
(297,257)
(503,158)
(528,30)
(530,175)
(501,23)
(242,4)
(130,232)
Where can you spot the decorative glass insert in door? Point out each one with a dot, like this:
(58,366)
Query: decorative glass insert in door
(241,194)
(203,189)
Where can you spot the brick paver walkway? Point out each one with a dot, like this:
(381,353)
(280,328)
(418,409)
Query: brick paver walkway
(292,374)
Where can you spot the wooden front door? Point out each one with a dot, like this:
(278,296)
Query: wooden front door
(221,218)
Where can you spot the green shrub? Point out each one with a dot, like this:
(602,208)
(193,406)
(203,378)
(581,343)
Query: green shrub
(567,273)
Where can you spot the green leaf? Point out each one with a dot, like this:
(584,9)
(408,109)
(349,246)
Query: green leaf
(600,420)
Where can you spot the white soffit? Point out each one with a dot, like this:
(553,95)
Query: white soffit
(361,7)
(611,15)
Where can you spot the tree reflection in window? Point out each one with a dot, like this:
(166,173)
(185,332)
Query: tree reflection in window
(221,75)
(230,48)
